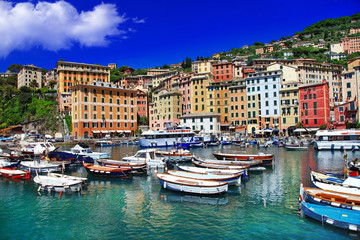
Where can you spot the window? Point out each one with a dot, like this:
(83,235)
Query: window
(315,104)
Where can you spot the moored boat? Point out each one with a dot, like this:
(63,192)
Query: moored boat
(348,139)
(136,167)
(330,198)
(229,162)
(210,170)
(350,185)
(176,154)
(39,166)
(147,156)
(220,166)
(338,217)
(14,173)
(189,185)
(83,149)
(58,184)
(106,143)
(295,147)
(108,171)
(231,179)
(267,159)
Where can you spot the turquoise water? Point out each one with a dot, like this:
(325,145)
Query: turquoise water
(264,206)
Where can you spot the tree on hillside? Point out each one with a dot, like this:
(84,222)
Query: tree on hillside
(14,68)
(165,66)
(258,44)
(52,84)
(122,68)
(34,84)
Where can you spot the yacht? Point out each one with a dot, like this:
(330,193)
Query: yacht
(166,138)
(348,139)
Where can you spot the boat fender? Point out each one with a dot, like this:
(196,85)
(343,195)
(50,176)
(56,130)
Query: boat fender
(342,148)
(353,147)
(332,146)
(164,184)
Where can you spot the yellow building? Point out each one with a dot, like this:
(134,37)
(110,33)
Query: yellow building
(202,67)
(289,99)
(218,101)
(70,73)
(166,108)
(198,89)
(102,108)
(238,103)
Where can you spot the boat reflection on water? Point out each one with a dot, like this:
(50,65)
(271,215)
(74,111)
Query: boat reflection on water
(169,196)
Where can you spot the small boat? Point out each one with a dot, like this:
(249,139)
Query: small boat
(213,144)
(231,179)
(56,183)
(226,142)
(295,147)
(39,166)
(6,163)
(136,167)
(267,159)
(108,171)
(189,185)
(14,173)
(228,162)
(220,166)
(338,217)
(176,155)
(58,175)
(242,144)
(83,149)
(197,144)
(36,148)
(147,156)
(330,198)
(350,185)
(106,143)
(210,170)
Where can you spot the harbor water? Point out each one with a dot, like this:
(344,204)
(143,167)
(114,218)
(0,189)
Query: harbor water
(264,206)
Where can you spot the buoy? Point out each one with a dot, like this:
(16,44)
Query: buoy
(162,196)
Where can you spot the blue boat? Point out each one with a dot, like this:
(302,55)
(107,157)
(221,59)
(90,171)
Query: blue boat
(68,156)
(338,217)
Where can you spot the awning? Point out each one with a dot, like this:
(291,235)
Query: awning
(267,130)
(112,131)
(104,131)
(127,131)
(259,131)
(119,131)
(275,130)
(306,130)
(95,131)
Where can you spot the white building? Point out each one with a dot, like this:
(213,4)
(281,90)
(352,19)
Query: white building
(208,123)
(336,48)
(29,74)
(263,95)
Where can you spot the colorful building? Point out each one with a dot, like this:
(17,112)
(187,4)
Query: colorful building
(70,74)
(223,71)
(142,103)
(289,98)
(238,105)
(314,104)
(198,90)
(101,108)
(345,113)
(218,101)
(351,44)
(166,109)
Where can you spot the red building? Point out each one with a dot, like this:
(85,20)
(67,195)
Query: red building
(223,71)
(142,105)
(344,113)
(314,104)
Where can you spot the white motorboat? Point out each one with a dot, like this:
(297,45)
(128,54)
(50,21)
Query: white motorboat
(36,148)
(59,183)
(147,156)
(348,139)
(40,166)
(84,150)
(210,170)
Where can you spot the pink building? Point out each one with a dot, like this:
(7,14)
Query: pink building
(185,88)
(344,113)
(142,103)
(351,44)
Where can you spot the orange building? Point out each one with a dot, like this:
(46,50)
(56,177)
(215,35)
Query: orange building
(142,103)
(223,71)
(70,73)
(102,108)
(238,108)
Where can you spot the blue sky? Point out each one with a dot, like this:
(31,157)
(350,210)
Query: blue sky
(145,34)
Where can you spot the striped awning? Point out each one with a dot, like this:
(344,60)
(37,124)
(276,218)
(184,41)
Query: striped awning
(95,131)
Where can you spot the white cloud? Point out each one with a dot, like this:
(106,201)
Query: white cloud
(136,20)
(55,26)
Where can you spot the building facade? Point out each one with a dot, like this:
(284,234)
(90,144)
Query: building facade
(223,71)
(314,104)
(351,44)
(208,123)
(30,76)
(101,108)
(289,98)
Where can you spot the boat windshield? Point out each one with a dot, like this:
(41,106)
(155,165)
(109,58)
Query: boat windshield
(140,155)
(152,155)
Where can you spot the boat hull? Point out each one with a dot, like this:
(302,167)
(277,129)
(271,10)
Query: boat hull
(194,190)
